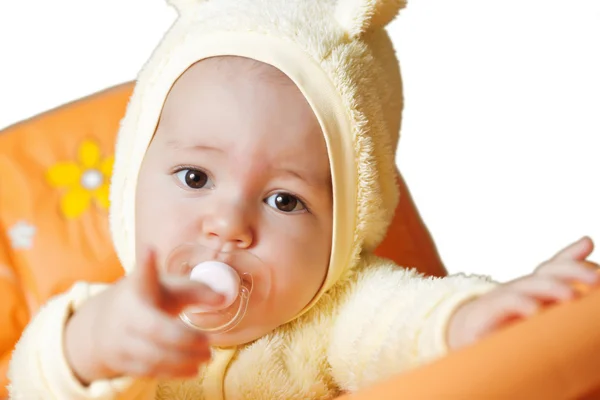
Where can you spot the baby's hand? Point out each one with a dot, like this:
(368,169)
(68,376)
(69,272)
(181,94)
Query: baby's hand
(551,282)
(132,329)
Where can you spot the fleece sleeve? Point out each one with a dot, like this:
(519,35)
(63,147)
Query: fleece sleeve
(395,319)
(39,369)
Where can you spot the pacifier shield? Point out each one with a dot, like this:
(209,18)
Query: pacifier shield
(230,273)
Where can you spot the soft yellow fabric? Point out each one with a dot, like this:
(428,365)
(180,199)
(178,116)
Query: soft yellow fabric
(340,345)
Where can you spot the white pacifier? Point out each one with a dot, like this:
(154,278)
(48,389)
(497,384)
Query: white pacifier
(219,277)
(227,273)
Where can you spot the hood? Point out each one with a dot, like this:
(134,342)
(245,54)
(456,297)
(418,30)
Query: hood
(338,54)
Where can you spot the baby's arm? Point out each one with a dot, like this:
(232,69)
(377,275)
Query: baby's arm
(39,368)
(81,342)
(393,320)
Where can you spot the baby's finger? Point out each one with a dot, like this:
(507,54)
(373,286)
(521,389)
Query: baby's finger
(170,294)
(146,279)
(577,251)
(506,306)
(542,288)
(571,271)
(182,293)
(145,358)
(139,369)
(168,331)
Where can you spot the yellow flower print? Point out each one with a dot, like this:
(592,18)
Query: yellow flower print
(85,181)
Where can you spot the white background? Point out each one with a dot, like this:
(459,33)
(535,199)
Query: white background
(501,136)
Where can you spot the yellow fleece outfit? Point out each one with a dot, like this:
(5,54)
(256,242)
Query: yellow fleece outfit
(371,319)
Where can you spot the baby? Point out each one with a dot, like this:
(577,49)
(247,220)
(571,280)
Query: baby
(264,134)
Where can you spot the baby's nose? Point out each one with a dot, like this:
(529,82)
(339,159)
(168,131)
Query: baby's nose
(229,230)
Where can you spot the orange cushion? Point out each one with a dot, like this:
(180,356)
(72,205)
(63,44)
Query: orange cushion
(53,210)
(42,250)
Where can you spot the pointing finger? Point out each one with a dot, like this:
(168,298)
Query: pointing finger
(577,251)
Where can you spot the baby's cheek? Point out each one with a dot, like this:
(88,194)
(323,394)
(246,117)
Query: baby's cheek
(303,270)
(159,228)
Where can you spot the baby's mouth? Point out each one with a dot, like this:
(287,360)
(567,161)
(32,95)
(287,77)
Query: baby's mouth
(228,316)
(229,273)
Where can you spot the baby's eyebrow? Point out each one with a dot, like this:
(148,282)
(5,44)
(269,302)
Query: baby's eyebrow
(304,176)
(176,145)
(288,171)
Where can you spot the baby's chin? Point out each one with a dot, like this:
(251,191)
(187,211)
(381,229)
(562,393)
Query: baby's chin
(245,333)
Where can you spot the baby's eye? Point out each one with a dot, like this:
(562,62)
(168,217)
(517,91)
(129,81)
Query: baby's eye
(193,178)
(285,202)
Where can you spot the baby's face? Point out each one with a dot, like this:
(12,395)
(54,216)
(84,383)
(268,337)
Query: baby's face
(239,161)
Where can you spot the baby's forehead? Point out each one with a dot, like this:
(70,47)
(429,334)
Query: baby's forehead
(208,76)
(221,95)
(235,65)
(244,108)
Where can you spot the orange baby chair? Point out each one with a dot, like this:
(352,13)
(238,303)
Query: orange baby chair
(54,171)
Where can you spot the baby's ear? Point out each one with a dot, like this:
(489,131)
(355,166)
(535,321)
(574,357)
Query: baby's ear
(359,16)
(183,5)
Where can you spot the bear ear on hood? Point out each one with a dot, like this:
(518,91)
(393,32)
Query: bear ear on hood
(359,16)
(183,5)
